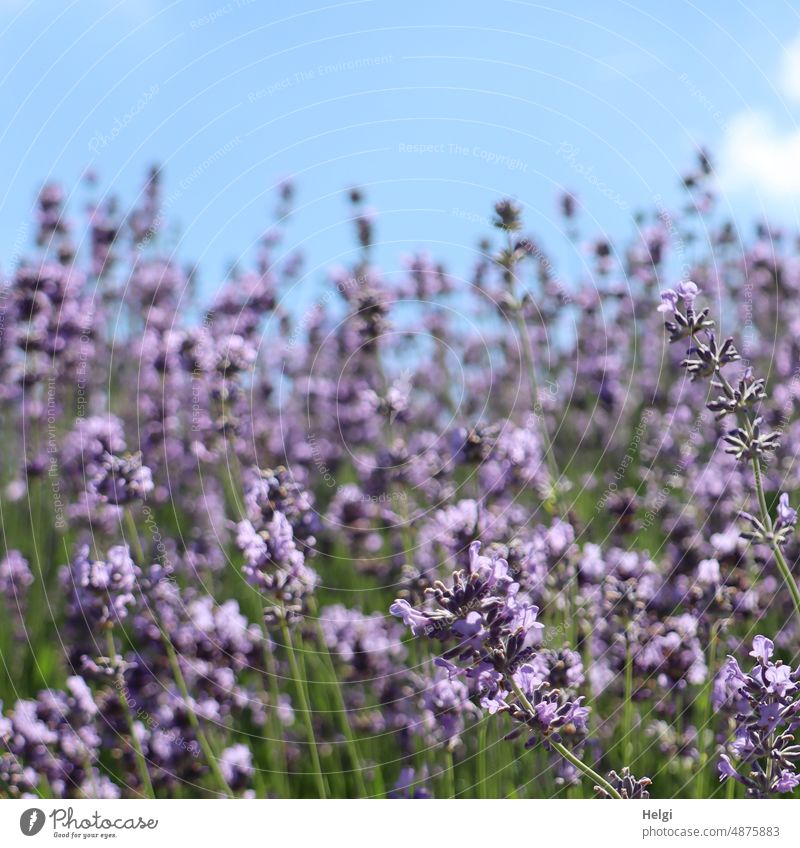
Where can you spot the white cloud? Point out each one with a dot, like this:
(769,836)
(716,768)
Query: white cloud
(756,154)
(759,155)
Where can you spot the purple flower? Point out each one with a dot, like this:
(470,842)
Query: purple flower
(688,291)
(236,765)
(787,781)
(787,517)
(415,620)
(725,768)
(483,610)
(765,709)
(769,715)
(273,561)
(446,709)
(53,740)
(708,572)
(409,786)
(628,786)
(578,716)
(546,713)
(763,649)
(368,646)
(779,677)
(669,301)
(119,480)
(102,589)
(495,628)
(15,576)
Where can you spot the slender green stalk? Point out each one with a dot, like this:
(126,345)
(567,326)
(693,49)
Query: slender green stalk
(322,702)
(788,577)
(765,516)
(581,766)
(232,480)
(572,611)
(627,716)
(275,722)
(141,763)
(706,735)
(770,771)
(304,708)
(90,771)
(530,370)
(533,387)
(208,752)
(133,536)
(138,556)
(342,713)
(565,752)
(449,776)
(762,500)
(481,757)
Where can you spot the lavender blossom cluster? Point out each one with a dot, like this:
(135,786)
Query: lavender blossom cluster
(398,531)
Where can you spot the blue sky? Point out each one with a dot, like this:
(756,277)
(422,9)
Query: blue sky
(437,108)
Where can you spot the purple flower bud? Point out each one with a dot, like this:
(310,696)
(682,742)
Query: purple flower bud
(669,301)
(787,517)
(688,291)
(763,649)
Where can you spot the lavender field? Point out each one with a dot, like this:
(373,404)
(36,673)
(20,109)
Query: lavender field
(515,533)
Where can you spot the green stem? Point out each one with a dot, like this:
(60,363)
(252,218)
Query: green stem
(565,752)
(208,752)
(762,500)
(90,772)
(275,721)
(533,388)
(141,763)
(627,721)
(587,770)
(344,721)
(788,577)
(449,776)
(481,758)
(232,480)
(706,734)
(533,383)
(573,590)
(138,555)
(304,707)
(766,518)
(133,534)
